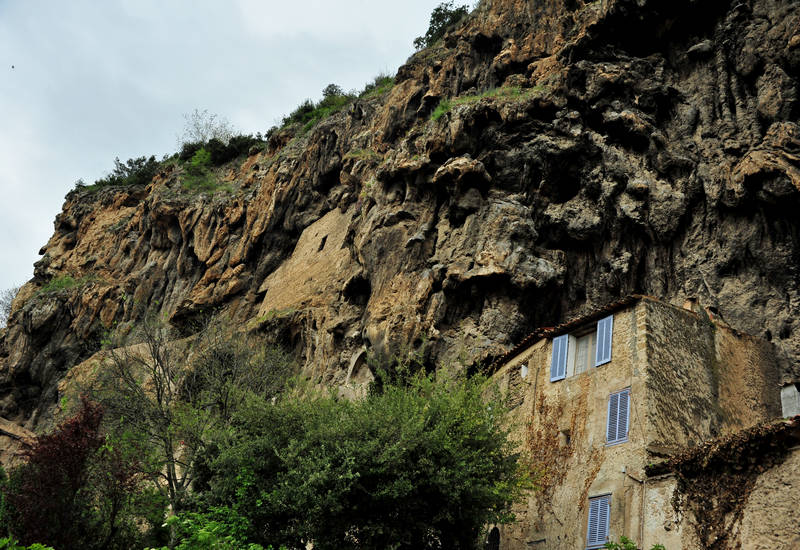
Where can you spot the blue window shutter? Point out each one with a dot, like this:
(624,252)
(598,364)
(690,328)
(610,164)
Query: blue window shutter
(613,414)
(605,513)
(618,417)
(624,415)
(558,363)
(594,516)
(603,347)
(599,515)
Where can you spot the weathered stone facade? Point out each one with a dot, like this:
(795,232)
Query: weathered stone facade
(690,378)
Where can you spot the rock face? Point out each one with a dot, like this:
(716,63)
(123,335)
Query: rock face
(646,146)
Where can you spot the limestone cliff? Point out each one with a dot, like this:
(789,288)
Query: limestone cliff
(646,146)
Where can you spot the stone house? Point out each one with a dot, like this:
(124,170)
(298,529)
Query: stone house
(600,400)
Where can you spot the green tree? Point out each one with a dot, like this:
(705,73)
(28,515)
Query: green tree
(426,465)
(141,391)
(135,171)
(173,409)
(443,17)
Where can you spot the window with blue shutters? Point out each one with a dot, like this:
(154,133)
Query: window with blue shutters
(603,347)
(597,530)
(579,351)
(558,362)
(618,415)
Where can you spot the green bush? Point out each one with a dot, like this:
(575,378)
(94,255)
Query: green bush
(218,529)
(441,109)
(189,149)
(62,282)
(627,544)
(308,113)
(199,177)
(444,16)
(422,466)
(138,171)
(219,151)
(199,162)
(8,543)
(379,86)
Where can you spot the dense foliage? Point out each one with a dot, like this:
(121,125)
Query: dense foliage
(248,457)
(443,17)
(309,113)
(135,171)
(421,466)
(220,152)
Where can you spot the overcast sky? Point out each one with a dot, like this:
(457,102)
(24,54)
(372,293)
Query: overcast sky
(93,80)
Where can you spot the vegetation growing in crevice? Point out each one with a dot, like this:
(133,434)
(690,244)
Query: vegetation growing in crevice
(379,86)
(506,92)
(65,282)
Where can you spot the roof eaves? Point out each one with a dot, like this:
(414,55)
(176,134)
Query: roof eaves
(551,332)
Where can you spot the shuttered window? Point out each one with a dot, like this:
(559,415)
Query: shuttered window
(558,363)
(599,512)
(618,415)
(603,348)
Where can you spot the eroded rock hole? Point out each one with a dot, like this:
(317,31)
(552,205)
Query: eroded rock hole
(357,290)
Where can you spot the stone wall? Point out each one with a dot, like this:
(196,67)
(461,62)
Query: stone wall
(691,379)
(682,388)
(704,379)
(771,519)
(563,424)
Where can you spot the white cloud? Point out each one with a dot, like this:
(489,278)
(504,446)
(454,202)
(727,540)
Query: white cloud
(95,80)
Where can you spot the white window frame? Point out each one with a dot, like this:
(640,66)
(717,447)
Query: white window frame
(600,509)
(615,415)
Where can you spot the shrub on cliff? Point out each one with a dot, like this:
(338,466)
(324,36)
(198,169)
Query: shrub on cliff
(135,171)
(381,84)
(420,466)
(309,113)
(443,17)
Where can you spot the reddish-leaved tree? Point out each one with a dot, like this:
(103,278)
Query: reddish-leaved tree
(76,488)
(44,494)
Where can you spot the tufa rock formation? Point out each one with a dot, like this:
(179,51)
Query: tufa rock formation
(626,146)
